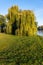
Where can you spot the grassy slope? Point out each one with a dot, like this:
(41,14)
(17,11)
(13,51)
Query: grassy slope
(21,49)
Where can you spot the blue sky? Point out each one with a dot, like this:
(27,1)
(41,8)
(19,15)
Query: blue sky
(35,5)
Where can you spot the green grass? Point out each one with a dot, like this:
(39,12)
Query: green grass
(21,50)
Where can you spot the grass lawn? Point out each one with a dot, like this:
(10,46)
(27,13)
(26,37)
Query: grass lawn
(21,50)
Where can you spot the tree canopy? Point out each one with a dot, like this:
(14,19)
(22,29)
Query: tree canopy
(2,19)
(2,23)
(21,22)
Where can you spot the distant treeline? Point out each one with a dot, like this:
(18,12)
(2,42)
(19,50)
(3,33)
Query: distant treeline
(40,27)
(19,22)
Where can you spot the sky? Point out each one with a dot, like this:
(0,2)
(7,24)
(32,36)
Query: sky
(35,5)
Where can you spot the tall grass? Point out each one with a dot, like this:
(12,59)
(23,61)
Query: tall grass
(21,50)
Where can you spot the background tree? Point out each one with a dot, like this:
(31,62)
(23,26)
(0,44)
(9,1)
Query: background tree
(2,23)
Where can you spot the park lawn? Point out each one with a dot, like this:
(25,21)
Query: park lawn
(21,50)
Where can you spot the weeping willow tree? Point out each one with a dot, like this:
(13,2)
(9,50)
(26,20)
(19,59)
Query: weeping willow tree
(21,22)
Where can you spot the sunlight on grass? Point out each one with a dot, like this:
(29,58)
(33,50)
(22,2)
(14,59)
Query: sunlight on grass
(23,49)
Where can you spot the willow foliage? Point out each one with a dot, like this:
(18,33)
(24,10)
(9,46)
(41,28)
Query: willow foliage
(22,22)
